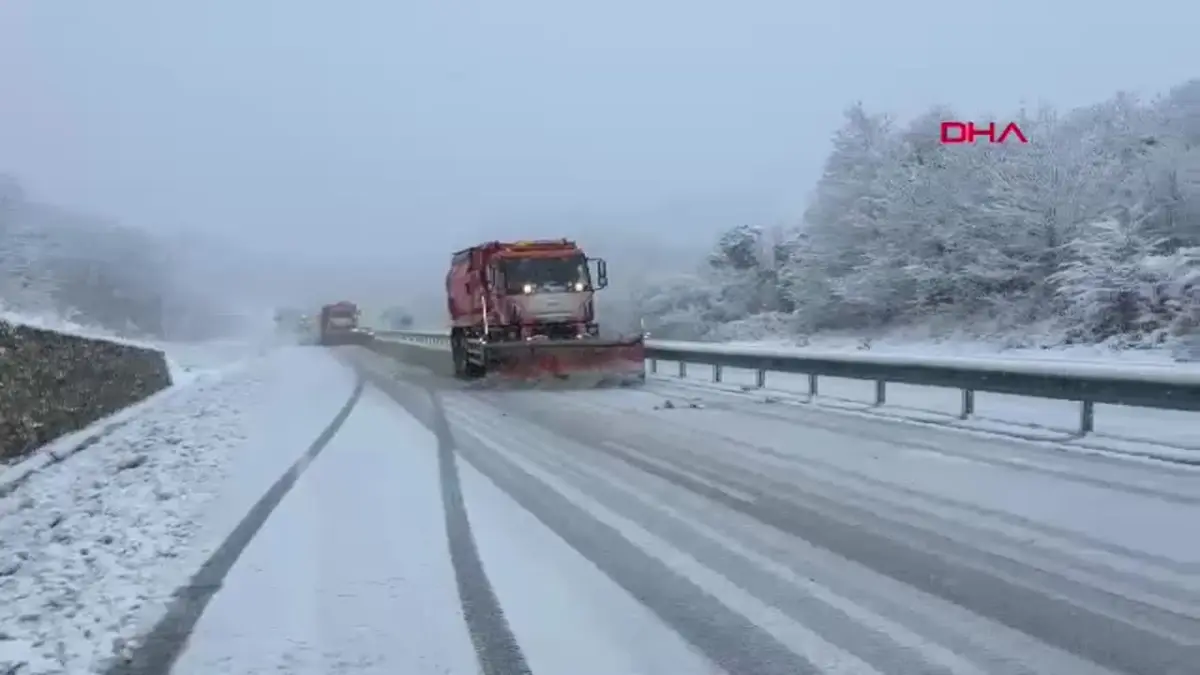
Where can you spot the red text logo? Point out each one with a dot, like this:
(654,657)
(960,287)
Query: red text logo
(969,132)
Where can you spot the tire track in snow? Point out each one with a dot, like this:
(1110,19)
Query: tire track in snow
(683,600)
(1096,623)
(495,644)
(157,651)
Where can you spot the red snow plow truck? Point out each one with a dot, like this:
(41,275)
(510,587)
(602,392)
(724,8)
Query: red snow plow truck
(339,325)
(524,311)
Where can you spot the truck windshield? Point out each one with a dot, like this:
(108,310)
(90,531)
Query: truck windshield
(545,274)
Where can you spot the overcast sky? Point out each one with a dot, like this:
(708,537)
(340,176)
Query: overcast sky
(403,129)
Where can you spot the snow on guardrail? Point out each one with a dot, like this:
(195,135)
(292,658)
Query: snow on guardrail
(1149,386)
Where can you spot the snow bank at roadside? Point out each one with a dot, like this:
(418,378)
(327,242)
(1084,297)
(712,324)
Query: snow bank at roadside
(186,360)
(191,360)
(914,345)
(59,324)
(88,540)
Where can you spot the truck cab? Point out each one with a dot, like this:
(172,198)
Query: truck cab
(524,290)
(525,310)
(549,295)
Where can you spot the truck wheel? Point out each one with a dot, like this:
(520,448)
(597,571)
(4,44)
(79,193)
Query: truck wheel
(458,353)
(475,371)
(469,370)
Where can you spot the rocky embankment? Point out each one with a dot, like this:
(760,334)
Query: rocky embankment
(53,384)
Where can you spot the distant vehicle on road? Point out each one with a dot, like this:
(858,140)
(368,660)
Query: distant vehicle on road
(338,325)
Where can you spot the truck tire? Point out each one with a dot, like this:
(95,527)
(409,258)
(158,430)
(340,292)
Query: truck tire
(475,371)
(459,355)
(464,368)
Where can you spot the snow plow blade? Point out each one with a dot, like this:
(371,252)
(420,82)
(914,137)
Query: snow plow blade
(340,339)
(586,363)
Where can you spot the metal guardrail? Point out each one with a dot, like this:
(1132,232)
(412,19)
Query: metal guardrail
(433,338)
(1160,387)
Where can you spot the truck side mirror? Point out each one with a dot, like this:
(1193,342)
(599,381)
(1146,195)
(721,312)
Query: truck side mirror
(601,273)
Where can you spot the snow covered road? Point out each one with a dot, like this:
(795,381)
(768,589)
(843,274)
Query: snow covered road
(746,539)
(350,573)
(92,547)
(300,522)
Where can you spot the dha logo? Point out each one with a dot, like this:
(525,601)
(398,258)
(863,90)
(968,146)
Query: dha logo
(954,132)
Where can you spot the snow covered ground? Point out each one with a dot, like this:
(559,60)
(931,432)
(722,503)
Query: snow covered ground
(566,615)
(925,345)
(63,325)
(351,574)
(1151,432)
(185,360)
(783,543)
(617,535)
(94,545)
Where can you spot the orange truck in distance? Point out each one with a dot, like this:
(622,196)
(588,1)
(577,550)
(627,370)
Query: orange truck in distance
(338,325)
(525,311)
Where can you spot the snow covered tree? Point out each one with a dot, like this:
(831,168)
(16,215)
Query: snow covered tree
(57,262)
(848,212)
(1106,284)
(1093,224)
(680,307)
(25,283)
(747,264)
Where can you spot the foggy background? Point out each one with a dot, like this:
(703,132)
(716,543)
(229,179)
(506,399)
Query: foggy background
(306,151)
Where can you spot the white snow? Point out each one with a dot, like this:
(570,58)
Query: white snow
(185,360)
(1166,374)
(1124,429)
(1090,362)
(904,465)
(58,324)
(352,573)
(64,446)
(566,614)
(95,544)
(941,347)
(565,658)
(957,487)
(1127,430)
(1076,237)
(188,361)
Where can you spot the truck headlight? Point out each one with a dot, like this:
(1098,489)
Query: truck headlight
(528,288)
(579,286)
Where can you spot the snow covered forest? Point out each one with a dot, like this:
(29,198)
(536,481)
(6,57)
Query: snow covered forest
(58,265)
(1089,233)
(67,266)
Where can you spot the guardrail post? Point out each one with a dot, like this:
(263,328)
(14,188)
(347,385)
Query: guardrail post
(812,386)
(1087,417)
(760,378)
(716,372)
(968,404)
(654,366)
(880,392)
(683,369)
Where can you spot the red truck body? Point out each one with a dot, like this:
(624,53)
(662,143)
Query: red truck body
(338,324)
(527,308)
(518,290)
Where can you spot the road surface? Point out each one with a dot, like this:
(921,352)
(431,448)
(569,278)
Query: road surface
(611,531)
(440,529)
